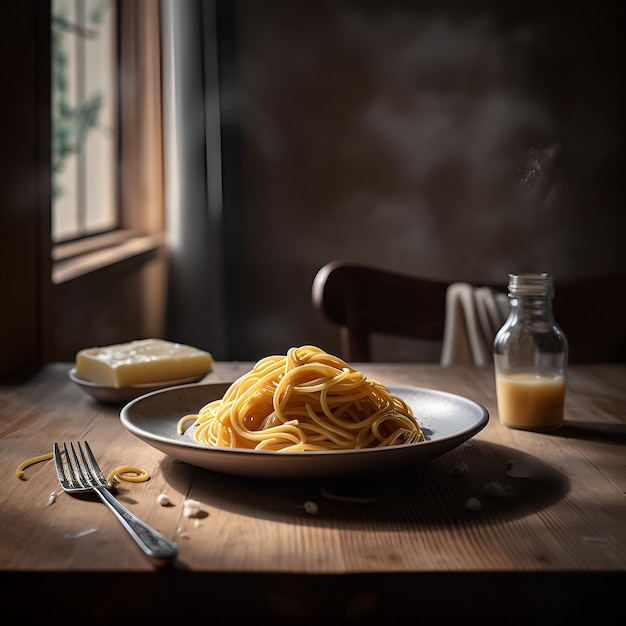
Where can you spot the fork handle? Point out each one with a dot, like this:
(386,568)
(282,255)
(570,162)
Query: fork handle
(152,542)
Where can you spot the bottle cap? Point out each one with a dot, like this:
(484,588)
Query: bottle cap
(531,285)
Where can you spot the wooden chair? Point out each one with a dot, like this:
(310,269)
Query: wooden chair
(364,300)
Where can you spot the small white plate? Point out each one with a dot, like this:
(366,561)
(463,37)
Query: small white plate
(122,395)
(446,419)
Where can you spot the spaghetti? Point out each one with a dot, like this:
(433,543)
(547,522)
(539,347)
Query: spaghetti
(127,473)
(306,400)
(19,472)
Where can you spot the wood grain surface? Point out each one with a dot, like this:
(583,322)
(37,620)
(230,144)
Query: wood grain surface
(507,501)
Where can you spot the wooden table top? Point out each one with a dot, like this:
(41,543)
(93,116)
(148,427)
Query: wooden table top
(552,516)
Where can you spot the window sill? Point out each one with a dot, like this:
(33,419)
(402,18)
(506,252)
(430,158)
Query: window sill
(77,259)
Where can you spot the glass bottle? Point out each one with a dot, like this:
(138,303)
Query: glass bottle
(530,357)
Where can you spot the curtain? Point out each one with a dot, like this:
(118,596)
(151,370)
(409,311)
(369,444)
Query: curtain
(192,166)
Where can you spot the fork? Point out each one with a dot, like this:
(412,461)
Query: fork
(80,473)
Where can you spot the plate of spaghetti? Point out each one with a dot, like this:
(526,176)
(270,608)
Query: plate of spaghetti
(306,414)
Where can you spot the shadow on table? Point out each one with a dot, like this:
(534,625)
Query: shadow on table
(593,431)
(479,481)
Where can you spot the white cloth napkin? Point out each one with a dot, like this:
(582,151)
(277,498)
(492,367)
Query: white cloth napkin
(473,317)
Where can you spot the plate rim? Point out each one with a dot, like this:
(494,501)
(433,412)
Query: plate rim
(161,383)
(464,434)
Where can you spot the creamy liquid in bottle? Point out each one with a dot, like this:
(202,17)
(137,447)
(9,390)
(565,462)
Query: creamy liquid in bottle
(531,399)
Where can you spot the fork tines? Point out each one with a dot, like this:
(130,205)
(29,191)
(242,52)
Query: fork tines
(80,470)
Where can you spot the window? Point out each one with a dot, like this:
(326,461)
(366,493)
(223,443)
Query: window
(84,118)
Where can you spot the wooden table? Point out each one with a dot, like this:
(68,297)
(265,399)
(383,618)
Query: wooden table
(548,542)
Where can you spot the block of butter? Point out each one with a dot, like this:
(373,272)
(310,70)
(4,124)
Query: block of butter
(140,362)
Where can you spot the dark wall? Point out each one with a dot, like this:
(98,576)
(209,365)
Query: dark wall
(454,140)
(25,290)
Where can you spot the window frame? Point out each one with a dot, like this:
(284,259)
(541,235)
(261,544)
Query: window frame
(45,321)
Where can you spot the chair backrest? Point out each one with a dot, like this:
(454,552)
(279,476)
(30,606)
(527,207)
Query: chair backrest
(364,300)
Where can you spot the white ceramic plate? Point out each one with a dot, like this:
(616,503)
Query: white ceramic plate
(446,419)
(122,395)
